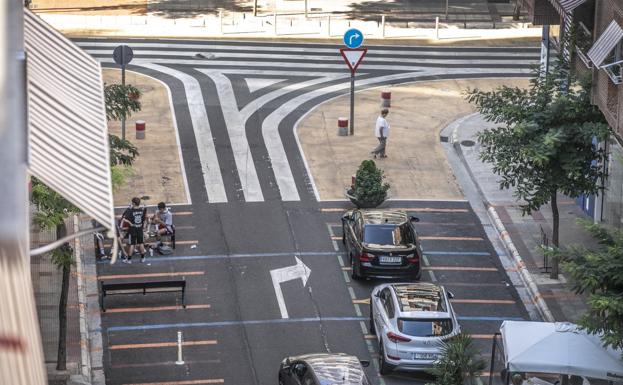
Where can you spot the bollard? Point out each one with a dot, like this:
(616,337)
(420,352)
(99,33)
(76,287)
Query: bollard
(383,26)
(386,97)
(140,129)
(342,126)
(180,360)
(437,28)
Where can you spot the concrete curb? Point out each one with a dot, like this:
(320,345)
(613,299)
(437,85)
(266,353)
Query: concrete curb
(523,273)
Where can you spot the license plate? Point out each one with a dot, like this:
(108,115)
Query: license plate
(387,259)
(424,356)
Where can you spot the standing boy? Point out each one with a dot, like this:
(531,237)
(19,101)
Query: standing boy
(381,131)
(134,217)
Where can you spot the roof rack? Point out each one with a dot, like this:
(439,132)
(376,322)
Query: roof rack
(419,297)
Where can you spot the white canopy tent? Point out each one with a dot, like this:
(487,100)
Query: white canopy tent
(547,347)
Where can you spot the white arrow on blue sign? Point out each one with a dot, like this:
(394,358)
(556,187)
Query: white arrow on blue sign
(353,38)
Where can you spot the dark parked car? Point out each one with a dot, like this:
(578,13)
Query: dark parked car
(381,243)
(323,369)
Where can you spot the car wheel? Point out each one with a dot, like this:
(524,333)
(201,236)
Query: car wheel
(384,367)
(372,329)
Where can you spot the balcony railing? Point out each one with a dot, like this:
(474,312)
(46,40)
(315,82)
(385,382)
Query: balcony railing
(614,71)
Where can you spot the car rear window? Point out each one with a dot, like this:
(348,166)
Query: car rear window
(383,235)
(425,327)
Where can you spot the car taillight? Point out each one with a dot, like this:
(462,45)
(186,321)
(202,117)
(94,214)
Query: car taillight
(413,258)
(396,338)
(365,257)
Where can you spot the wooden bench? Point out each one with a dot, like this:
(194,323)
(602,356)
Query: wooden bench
(170,286)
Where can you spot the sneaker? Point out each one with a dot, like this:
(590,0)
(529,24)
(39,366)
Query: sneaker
(142,259)
(126,260)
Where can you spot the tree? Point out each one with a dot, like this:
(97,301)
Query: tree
(121,101)
(546,145)
(599,273)
(52,210)
(459,363)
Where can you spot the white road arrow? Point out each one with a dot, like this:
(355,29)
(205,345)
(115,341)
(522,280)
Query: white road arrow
(284,274)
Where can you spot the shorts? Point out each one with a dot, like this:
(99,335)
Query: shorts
(135,236)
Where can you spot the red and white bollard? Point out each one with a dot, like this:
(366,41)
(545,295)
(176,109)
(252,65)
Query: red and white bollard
(342,126)
(386,97)
(140,129)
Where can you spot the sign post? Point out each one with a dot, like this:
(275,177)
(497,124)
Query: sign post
(353,39)
(122,56)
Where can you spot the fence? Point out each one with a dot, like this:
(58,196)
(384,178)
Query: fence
(321,25)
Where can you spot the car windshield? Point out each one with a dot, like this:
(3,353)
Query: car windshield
(384,235)
(425,327)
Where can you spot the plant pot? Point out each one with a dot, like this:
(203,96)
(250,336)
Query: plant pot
(361,204)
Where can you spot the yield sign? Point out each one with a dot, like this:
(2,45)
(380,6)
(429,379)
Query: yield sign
(353,56)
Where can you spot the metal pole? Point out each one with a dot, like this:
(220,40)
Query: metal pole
(447,9)
(329,26)
(123,84)
(437,27)
(180,359)
(275,22)
(255,8)
(21,349)
(220,21)
(305,9)
(352,103)
(383,26)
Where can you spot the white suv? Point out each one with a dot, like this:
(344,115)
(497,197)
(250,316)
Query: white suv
(411,320)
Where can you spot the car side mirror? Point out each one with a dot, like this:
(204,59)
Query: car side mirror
(365,363)
(414,219)
(450,295)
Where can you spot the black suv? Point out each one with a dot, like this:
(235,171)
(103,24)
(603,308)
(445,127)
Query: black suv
(381,243)
(323,368)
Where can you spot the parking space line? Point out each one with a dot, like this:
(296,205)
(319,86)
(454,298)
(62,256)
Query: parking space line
(485,301)
(155,364)
(459,268)
(407,209)
(489,318)
(150,275)
(365,301)
(175,213)
(186,242)
(178,258)
(433,238)
(156,308)
(161,345)
(186,382)
(460,253)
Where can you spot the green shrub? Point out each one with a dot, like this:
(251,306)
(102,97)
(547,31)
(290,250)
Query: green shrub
(369,187)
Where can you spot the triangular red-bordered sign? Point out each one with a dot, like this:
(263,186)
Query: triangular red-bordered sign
(353,57)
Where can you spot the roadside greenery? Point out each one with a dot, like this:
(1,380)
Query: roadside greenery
(599,274)
(459,363)
(52,210)
(369,189)
(546,143)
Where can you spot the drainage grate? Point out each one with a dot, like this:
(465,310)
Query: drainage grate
(468,143)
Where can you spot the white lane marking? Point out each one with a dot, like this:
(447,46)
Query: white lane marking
(203,134)
(451,59)
(254,84)
(107,47)
(270,132)
(285,66)
(284,274)
(235,123)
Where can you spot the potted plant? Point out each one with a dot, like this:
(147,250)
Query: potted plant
(369,190)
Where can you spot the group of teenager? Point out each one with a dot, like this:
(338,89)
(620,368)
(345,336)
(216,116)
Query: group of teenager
(131,227)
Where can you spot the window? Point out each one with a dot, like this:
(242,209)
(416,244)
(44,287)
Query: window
(388,304)
(425,327)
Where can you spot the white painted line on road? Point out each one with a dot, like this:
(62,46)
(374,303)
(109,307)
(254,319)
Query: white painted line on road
(289,273)
(213,179)
(235,124)
(335,245)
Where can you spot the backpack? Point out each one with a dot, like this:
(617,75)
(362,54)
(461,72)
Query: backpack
(164,250)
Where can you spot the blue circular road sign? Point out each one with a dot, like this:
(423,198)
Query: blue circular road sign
(353,38)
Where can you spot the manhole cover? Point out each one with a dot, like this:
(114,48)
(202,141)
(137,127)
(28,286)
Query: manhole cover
(468,143)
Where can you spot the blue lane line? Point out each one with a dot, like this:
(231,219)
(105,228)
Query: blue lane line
(231,323)
(483,253)
(248,255)
(467,318)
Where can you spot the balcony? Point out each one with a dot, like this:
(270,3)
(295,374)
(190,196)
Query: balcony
(614,71)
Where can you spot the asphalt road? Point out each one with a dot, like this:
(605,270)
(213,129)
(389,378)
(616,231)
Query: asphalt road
(241,226)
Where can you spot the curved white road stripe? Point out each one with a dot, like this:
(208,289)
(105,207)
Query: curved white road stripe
(235,123)
(272,140)
(203,134)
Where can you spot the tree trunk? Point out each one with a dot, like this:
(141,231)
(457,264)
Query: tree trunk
(61,357)
(555,228)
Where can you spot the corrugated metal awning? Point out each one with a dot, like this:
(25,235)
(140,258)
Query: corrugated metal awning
(610,37)
(566,6)
(68,136)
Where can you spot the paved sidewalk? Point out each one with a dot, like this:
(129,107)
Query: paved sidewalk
(525,231)
(158,171)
